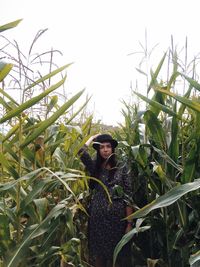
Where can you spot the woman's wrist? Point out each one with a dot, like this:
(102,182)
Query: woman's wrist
(89,141)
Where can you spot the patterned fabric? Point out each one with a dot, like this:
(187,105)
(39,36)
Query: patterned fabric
(105,226)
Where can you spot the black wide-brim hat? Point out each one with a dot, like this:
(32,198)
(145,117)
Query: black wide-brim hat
(102,139)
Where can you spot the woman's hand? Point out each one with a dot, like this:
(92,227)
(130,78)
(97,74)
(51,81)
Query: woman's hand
(89,141)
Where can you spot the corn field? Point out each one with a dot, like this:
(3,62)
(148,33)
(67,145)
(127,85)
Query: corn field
(43,185)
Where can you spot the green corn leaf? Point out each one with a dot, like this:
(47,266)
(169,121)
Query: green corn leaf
(10,25)
(195,132)
(158,97)
(102,184)
(177,238)
(52,147)
(157,105)
(173,151)
(52,104)
(47,250)
(28,176)
(168,159)
(44,125)
(5,104)
(69,189)
(8,166)
(5,233)
(14,193)
(41,207)
(155,75)
(86,127)
(157,168)
(167,199)
(43,227)
(31,102)
(78,111)
(53,73)
(35,192)
(13,130)
(186,95)
(189,103)
(156,130)
(31,212)
(192,82)
(140,155)
(173,78)
(49,75)
(194,258)
(8,96)
(29,154)
(10,213)
(125,239)
(8,149)
(190,165)
(5,70)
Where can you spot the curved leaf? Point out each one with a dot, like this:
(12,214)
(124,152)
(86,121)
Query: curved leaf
(40,229)
(167,199)
(10,25)
(4,162)
(31,102)
(192,82)
(158,97)
(5,70)
(30,175)
(49,75)
(194,258)
(13,130)
(174,145)
(140,154)
(155,75)
(168,159)
(157,105)
(52,104)
(35,192)
(125,239)
(190,165)
(103,185)
(189,103)
(8,96)
(44,125)
(156,130)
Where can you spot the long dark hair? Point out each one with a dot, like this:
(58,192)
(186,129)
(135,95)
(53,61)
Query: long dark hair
(111,161)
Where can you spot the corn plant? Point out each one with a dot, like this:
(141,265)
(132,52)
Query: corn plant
(41,191)
(167,159)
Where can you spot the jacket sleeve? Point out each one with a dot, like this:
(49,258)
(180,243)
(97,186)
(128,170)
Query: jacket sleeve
(89,164)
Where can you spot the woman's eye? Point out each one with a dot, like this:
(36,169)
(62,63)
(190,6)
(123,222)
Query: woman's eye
(105,146)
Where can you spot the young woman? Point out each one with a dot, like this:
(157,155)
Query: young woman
(105,226)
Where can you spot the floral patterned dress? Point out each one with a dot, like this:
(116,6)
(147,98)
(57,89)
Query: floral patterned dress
(106,227)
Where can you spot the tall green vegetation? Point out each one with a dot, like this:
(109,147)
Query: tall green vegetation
(44,190)
(40,189)
(162,145)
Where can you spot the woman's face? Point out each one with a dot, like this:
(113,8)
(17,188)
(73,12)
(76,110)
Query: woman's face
(105,150)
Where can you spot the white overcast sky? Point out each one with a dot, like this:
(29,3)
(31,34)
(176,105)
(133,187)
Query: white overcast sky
(98,35)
